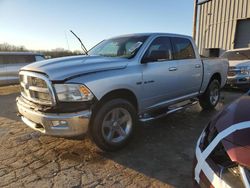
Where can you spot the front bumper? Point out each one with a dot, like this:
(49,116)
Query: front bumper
(241,81)
(56,124)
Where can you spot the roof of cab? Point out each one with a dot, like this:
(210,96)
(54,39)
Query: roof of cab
(153,34)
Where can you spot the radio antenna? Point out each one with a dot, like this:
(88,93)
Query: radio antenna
(82,45)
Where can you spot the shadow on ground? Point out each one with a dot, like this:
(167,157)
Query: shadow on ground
(161,151)
(164,149)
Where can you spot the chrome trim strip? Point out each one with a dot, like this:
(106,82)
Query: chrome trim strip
(39,89)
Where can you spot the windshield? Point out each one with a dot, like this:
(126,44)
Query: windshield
(119,47)
(237,55)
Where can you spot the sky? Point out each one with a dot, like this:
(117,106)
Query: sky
(45,24)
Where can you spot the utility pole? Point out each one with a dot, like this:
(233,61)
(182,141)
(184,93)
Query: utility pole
(195,19)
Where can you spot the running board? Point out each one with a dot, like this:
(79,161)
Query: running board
(169,111)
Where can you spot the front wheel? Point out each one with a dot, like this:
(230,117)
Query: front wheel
(211,97)
(112,125)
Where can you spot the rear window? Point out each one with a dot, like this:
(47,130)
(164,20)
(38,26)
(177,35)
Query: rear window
(11,59)
(183,48)
(39,58)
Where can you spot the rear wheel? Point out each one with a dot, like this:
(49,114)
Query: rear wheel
(211,97)
(112,125)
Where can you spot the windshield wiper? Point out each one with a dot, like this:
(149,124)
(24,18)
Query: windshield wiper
(82,45)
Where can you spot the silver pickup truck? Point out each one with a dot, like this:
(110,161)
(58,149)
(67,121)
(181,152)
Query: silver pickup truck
(121,81)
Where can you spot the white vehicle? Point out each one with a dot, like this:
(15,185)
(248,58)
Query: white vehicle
(239,67)
(12,62)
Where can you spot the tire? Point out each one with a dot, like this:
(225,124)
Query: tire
(112,124)
(211,97)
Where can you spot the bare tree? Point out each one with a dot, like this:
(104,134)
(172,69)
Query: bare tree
(58,52)
(7,47)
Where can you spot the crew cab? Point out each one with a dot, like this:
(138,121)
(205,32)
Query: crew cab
(122,80)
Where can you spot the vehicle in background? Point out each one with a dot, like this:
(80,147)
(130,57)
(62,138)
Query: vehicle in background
(12,62)
(121,80)
(239,68)
(222,157)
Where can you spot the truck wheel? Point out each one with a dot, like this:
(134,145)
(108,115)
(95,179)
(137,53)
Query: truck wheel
(112,124)
(211,97)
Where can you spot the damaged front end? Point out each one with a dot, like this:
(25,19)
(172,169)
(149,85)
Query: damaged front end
(41,110)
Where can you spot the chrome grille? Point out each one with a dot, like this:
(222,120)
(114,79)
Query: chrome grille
(36,88)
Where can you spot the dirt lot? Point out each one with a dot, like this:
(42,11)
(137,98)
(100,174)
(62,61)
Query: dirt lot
(160,154)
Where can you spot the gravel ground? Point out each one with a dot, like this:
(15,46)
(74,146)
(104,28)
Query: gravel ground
(159,155)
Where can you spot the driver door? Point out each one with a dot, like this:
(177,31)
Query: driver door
(159,74)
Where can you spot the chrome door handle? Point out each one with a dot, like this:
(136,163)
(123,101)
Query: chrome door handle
(172,69)
(197,66)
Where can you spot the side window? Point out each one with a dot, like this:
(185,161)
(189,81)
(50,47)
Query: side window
(2,60)
(39,58)
(7,59)
(27,59)
(159,50)
(183,48)
(12,59)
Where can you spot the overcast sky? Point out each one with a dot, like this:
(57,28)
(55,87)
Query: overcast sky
(45,24)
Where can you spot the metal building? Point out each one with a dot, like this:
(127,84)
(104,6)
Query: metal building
(222,25)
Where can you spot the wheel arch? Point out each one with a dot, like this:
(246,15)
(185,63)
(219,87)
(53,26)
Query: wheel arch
(216,76)
(208,80)
(122,94)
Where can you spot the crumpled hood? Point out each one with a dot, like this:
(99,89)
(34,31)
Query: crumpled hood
(236,144)
(242,63)
(59,69)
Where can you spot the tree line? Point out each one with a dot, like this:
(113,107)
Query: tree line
(58,52)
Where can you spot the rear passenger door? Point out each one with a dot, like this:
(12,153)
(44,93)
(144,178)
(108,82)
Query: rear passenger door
(189,68)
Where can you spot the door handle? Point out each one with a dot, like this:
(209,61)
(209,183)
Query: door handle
(172,69)
(197,66)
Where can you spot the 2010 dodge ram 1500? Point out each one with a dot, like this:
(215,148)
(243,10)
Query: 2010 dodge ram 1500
(121,80)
